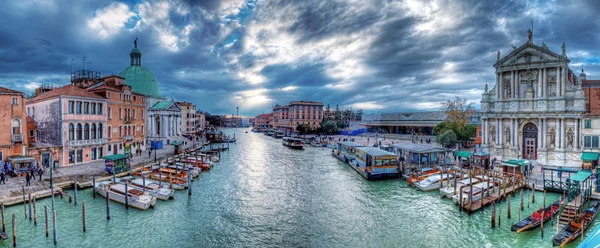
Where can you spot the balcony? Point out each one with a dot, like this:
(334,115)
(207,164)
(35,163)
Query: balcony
(127,119)
(128,137)
(87,142)
(17,138)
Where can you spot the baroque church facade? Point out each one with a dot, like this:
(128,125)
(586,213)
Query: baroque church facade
(535,110)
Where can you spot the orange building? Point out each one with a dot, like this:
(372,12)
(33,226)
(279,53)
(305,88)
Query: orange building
(298,112)
(13,142)
(478,135)
(126,117)
(73,121)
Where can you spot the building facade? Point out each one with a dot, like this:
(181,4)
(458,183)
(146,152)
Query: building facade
(188,119)
(14,138)
(535,109)
(262,121)
(288,117)
(200,122)
(72,119)
(126,115)
(281,119)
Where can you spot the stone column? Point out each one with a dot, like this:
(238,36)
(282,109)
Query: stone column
(501,132)
(562,133)
(539,134)
(544,134)
(497,131)
(576,134)
(483,132)
(538,90)
(557,133)
(515,76)
(544,80)
(498,95)
(515,136)
(558,82)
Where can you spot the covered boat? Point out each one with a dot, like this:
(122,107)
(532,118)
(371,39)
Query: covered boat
(135,197)
(536,219)
(576,227)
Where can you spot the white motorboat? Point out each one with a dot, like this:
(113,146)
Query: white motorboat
(135,197)
(448,191)
(295,143)
(153,188)
(478,189)
(435,181)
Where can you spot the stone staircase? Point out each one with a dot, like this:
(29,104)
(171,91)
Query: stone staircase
(570,212)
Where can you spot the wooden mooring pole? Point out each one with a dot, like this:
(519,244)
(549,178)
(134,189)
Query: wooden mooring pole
(83,214)
(54,225)
(189,177)
(24,203)
(533,193)
(508,207)
(3,222)
(94,187)
(34,212)
(46,215)
(493,215)
(522,205)
(29,204)
(499,217)
(107,207)
(126,197)
(14,230)
(542,227)
(75,191)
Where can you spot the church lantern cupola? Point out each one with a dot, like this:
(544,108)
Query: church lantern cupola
(136,55)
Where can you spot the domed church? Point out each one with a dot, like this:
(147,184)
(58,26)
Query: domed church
(163,120)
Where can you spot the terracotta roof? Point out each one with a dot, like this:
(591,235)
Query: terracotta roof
(68,90)
(9,91)
(185,104)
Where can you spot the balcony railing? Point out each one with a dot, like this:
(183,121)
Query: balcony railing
(128,137)
(17,138)
(127,119)
(87,142)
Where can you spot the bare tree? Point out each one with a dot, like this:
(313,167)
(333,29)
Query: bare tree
(457,112)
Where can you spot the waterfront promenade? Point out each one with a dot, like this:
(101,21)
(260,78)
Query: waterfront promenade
(82,173)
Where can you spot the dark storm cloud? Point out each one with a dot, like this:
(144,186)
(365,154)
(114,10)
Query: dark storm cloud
(205,54)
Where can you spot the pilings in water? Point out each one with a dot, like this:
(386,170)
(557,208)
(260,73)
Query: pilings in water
(126,196)
(107,207)
(24,203)
(29,204)
(46,214)
(508,207)
(34,212)
(54,225)
(189,178)
(522,205)
(533,193)
(75,191)
(93,187)
(14,230)
(83,214)
(493,215)
(499,217)
(3,222)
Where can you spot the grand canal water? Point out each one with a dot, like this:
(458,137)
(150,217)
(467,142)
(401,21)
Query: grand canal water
(263,194)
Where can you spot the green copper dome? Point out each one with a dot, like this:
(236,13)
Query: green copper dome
(139,78)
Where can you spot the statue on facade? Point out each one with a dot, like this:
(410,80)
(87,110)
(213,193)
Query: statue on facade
(544,45)
(498,56)
(485,89)
(564,49)
(570,138)
(551,138)
(507,135)
(529,35)
(513,47)
(493,135)
(135,42)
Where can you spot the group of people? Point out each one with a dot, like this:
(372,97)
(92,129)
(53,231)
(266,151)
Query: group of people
(9,170)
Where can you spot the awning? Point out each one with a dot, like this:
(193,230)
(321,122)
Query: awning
(464,154)
(21,159)
(589,156)
(581,176)
(115,157)
(175,143)
(515,162)
(592,240)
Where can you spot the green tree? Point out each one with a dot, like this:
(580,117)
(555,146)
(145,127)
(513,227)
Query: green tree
(446,139)
(440,128)
(359,114)
(302,128)
(329,127)
(466,133)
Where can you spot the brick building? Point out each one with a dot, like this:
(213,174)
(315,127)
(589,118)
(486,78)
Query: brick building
(126,115)
(13,142)
(298,112)
(188,119)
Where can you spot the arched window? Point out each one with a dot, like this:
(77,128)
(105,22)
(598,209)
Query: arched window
(120,132)
(16,126)
(143,130)
(71,132)
(86,132)
(78,131)
(93,131)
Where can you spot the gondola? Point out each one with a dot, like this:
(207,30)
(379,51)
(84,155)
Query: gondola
(577,226)
(535,219)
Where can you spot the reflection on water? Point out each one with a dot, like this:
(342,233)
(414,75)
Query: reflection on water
(264,194)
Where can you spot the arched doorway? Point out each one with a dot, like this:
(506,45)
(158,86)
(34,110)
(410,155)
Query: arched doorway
(530,140)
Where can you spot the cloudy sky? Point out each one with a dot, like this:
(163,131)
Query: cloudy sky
(374,55)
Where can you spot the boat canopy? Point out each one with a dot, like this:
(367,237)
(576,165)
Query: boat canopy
(350,144)
(115,157)
(589,156)
(581,176)
(462,154)
(377,153)
(21,159)
(418,148)
(516,162)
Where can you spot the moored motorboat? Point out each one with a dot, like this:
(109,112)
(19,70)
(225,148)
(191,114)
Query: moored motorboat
(154,189)
(479,189)
(135,197)
(539,216)
(435,181)
(415,178)
(577,226)
(449,190)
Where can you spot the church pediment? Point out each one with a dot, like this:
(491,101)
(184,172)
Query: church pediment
(530,53)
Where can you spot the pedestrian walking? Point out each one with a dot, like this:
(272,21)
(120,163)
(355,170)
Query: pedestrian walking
(33,171)
(149,152)
(2,178)
(40,173)
(28,179)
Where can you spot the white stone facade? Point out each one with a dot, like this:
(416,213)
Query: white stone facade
(535,109)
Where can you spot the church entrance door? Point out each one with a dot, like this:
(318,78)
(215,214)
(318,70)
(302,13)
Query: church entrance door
(530,141)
